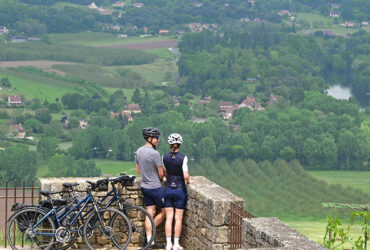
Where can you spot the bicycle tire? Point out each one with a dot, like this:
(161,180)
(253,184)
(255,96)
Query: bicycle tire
(120,228)
(21,223)
(137,215)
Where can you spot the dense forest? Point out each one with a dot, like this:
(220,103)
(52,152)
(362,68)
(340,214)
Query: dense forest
(39,17)
(287,64)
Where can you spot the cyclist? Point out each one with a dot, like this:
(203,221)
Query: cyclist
(176,171)
(149,166)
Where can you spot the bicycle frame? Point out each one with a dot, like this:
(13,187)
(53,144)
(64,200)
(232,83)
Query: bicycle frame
(85,201)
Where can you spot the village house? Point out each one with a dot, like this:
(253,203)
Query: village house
(118,4)
(93,6)
(205,100)
(365,24)
(225,105)
(3,30)
(251,103)
(197,4)
(334,14)
(199,120)
(227,113)
(20,132)
(163,32)
(347,25)
(251,2)
(14,100)
(195,27)
(272,99)
(115,27)
(133,108)
(138,5)
(84,123)
(18,39)
(123,114)
(284,12)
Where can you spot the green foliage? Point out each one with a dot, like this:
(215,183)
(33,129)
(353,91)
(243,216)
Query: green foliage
(46,147)
(17,163)
(334,233)
(61,165)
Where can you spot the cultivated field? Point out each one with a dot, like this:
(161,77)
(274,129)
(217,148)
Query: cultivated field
(46,66)
(100,39)
(146,45)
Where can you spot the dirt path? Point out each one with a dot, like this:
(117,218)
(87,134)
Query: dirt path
(146,45)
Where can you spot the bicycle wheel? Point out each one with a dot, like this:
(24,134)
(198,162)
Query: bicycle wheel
(66,236)
(112,227)
(22,233)
(138,216)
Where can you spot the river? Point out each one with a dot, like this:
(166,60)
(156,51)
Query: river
(341,93)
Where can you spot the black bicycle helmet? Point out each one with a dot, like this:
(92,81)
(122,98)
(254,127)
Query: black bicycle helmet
(150,132)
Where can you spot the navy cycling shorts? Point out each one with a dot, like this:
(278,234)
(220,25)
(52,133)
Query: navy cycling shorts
(153,197)
(175,197)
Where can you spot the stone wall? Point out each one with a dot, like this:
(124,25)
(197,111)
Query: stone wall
(206,218)
(270,233)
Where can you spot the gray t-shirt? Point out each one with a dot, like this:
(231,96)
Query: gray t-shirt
(149,160)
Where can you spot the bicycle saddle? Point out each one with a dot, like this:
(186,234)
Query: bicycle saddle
(56,202)
(68,184)
(47,193)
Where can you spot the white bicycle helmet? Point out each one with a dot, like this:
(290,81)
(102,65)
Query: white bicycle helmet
(174,139)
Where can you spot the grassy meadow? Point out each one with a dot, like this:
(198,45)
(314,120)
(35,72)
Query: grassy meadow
(315,229)
(353,179)
(319,22)
(40,88)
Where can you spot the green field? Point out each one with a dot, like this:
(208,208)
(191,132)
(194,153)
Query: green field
(156,72)
(162,53)
(354,179)
(320,23)
(31,89)
(114,168)
(315,229)
(98,39)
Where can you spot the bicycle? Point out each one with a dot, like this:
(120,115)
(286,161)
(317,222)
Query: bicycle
(43,228)
(137,215)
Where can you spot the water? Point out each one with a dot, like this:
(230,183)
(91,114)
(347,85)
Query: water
(340,92)
(344,93)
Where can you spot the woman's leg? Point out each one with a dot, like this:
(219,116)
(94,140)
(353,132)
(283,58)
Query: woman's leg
(168,227)
(169,220)
(178,222)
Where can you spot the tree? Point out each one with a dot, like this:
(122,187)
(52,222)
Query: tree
(206,148)
(17,163)
(136,97)
(287,153)
(5,82)
(46,147)
(43,115)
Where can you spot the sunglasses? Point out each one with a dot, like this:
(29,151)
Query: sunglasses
(156,137)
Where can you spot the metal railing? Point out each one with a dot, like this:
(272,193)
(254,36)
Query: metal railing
(237,213)
(11,195)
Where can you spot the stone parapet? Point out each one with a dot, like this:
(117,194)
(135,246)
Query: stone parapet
(271,233)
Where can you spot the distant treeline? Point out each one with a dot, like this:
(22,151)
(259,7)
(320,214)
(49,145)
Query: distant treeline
(74,53)
(286,63)
(276,188)
(38,20)
(321,132)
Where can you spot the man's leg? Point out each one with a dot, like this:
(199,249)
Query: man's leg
(148,225)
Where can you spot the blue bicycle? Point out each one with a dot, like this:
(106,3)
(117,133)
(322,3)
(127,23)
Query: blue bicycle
(58,227)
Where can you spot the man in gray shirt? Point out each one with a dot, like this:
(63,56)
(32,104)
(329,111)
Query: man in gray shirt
(149,166)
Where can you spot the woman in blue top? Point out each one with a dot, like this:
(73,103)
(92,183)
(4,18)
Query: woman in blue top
(176,172)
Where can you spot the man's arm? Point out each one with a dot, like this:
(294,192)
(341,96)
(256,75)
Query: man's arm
(138,169)
(160,172)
